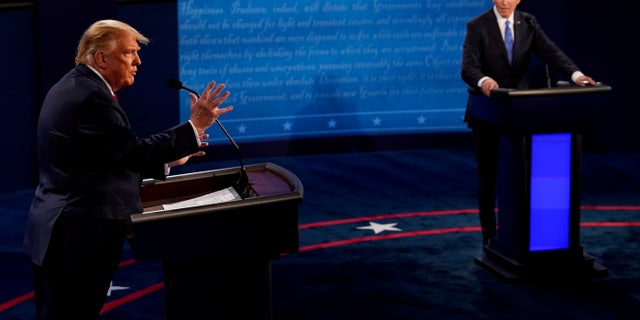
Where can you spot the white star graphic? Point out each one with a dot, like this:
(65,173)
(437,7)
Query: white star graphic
(377,227)
(287,126)
(332,123)
(376,121)
(421,119)
(114,288)
(242,128)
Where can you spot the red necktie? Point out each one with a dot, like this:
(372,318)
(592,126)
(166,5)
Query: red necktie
(115,97)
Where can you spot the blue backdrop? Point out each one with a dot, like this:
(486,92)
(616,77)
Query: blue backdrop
(39,41)
(314,69)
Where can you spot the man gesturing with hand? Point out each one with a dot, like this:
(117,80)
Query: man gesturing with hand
(91,166)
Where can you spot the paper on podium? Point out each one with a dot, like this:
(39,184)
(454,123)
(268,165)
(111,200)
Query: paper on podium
(224,195)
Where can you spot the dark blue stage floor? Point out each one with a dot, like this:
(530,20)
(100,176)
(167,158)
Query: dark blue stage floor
(392,235)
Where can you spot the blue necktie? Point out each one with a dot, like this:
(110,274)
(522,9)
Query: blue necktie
(508,40)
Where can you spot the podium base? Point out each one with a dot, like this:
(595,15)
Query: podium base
(554,267)
(218,288)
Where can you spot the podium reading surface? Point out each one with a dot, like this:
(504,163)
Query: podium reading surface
(217,257)
(539,180)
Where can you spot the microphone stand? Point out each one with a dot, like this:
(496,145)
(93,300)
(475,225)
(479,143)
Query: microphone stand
(535,26)
(546,69)
(242,184)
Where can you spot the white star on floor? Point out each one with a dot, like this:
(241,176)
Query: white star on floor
(114,288)
(287,126)
(377,227)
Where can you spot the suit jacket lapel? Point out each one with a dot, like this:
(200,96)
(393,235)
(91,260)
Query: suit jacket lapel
(519,37)
(496,35)
(89,73)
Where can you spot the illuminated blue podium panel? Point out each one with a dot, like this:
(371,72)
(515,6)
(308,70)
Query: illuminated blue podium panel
(539,180)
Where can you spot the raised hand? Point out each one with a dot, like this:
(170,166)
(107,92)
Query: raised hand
(206,108)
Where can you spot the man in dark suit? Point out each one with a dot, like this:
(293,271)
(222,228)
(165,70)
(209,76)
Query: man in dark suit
(488,65)
(91,165)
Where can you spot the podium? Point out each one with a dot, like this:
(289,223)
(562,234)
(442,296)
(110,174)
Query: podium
(217,258)
(539,180)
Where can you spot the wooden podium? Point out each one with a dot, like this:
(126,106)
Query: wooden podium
(217,257)
(539,180)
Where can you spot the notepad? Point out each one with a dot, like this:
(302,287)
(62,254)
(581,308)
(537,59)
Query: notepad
(220,196)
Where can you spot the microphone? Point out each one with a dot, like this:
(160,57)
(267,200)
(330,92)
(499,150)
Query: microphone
(242,184)
(529,20)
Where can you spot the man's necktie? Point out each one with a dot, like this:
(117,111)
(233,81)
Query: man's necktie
(115,97)
(508,40)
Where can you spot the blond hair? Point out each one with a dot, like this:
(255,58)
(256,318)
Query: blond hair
(100,36)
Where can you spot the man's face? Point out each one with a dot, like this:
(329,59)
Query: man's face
(506,7)
(120,64)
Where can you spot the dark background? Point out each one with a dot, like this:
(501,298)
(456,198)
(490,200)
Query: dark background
(39,40)
(417,277)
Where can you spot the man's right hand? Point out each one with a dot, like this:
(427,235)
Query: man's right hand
(488,85)
(206,109)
